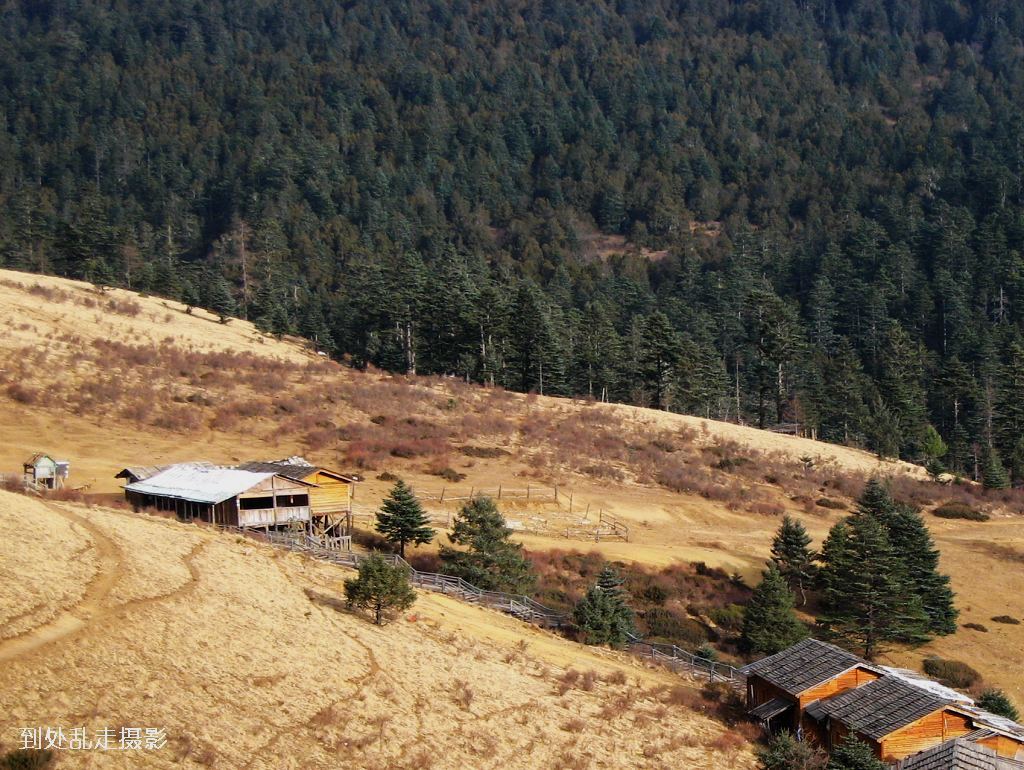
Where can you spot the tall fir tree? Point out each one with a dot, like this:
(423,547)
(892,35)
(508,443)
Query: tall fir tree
(602,615)
(769,622)
(793,558)
(402,520)
(867,603)
(491,560)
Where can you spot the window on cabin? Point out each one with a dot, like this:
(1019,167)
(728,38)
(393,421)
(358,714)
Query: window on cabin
(292,501)
(256,503)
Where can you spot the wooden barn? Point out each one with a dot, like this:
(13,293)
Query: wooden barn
(782,686)
(43,472)
(228,496)
(142,472)
(330,497)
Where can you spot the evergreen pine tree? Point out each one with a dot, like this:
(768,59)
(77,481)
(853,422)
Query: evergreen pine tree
(659,353)
(784,752)
(603,615)
(854,754)
(401,519)
(866,599)
(219,298)
(379,587)
(792,557)
(997,702)
(993,474)
(910,538)
(769,623)
(491,560)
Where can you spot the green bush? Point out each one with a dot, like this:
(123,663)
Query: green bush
(729,617)
(952,673)
(959,511)
(665,624)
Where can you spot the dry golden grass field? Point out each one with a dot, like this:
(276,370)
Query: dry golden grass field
(245,656)
(107,379)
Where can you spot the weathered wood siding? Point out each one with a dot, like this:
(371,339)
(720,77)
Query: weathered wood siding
(846,681)
(331,495)
(761,691)
(926,732)
(278,511)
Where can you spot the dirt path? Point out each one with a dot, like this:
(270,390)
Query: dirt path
(93,606)
(75,618)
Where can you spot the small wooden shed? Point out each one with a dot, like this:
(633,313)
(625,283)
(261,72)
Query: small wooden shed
(42,471)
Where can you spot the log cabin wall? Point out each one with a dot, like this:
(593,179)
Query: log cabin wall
(848,680)
(926,732)
(1005,747)
(330,496)
(761,691)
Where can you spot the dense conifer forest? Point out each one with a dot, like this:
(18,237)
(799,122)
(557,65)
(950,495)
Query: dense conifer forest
(774,211)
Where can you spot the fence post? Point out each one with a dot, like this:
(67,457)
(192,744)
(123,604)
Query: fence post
(442,494)
(527,492)
(499,491)
(571,491)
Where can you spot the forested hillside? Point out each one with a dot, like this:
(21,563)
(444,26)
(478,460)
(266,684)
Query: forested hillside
(775,211)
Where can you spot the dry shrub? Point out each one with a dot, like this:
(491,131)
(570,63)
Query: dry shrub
(128,307)
(766,509)
(687,697)
(952,673)
(571,760)
(976,627)
(616,677)
(462,694)
(1008,619)
(22,394)
(574,725)
(827,502)
(955,510)
(727,743)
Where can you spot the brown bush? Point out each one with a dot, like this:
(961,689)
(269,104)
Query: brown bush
(1008,619)
(574,725)
(22,394)
(952,673)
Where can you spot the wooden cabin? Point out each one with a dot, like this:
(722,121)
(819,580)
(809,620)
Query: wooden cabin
(900,717)
(228,496)
(782,686)
(330,498)
(43,472)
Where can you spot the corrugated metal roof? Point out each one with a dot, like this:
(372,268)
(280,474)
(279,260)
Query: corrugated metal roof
(919,680)
(143,472)
(199,483)
(881,707)
(288,470)
(804,665)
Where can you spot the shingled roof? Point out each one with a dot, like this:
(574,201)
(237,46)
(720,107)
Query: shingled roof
(882,707)
(293,471)
(804,665)
(953,755)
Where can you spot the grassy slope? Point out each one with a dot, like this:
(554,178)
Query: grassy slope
(548,441)
(244,655)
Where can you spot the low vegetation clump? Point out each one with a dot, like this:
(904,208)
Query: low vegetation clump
(1007,619)
(959,511)
(976,627)
(687,605)
(828,502)
(953,673)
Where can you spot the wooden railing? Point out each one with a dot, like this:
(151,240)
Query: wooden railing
(515,604)
(680,659)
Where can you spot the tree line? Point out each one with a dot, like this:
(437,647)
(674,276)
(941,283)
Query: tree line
(774,212)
